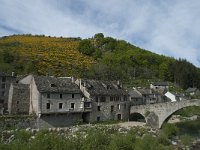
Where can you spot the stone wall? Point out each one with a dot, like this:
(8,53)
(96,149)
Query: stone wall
(45,121)
(66,102)
(59,120)
(119,110)
(19,99)
(17,122)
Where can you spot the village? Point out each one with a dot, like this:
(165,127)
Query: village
(63,101)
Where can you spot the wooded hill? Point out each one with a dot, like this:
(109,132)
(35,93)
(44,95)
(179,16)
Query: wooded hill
(98,57)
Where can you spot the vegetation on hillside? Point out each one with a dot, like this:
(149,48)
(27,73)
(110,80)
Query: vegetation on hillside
(42,55)
(98,57)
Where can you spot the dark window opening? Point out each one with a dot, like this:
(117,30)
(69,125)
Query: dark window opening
(99,108)
(72,106)
(98,118)
(61,96)
(112,108)
(103,99)
(87,104)
(3,86)
(2,93)
(53,85)
(72,95)
(119,116)
(111,98)
(48,95)
(48,106)
(17,102)
(118,106)
(3,79)
(60,105)
(96,98)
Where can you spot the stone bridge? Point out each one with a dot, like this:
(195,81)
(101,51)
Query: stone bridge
(156,114)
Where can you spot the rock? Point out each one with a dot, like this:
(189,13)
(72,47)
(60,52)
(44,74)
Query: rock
(28,129)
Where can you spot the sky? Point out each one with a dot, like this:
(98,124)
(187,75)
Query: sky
(168,27)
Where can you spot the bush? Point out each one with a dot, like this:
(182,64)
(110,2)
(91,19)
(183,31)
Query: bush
(169,130)
(186,139)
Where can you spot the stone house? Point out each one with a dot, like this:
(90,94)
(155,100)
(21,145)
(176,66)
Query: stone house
(159,86)
(135,97)
(192,92)
(109,101)
(5,81)
(151,96)
(55,101)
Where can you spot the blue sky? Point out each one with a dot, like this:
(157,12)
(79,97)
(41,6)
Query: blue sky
(169,27)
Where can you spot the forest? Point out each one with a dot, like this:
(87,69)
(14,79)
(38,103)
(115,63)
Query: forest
(97,57)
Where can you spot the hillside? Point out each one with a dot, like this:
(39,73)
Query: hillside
(98,57)
(42,55)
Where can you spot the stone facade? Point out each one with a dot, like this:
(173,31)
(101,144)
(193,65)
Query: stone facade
(19,99)
(5,81)
(59,120)
(109,101)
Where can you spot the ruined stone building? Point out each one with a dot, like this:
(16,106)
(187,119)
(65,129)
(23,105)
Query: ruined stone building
(109,101)
(5,80)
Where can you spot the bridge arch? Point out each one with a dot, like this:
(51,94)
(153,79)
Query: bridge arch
(135,116)
(173,112)
(159,112)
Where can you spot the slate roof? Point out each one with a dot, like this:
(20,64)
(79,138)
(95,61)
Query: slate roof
(189,90)
(134,94)
(4,74)
(144,91)
(96,87)
(55,85)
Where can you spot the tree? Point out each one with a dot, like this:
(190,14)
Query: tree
(86,47)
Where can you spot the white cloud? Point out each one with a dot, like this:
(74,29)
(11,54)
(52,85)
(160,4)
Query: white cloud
(165,27)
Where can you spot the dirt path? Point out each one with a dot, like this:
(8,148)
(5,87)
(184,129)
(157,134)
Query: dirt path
(131,124)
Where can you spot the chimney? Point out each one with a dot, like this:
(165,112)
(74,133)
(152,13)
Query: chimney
(13,73)
(72,79)
(118,82)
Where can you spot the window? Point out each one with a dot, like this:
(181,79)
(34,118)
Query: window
(112,108)
(98,118)
(125,98)
(87,104)
(124,106)
(72,95)
(48,106)
(17,102)
(72,106)
(61,96)
(118,106)
(99,108)
(111,98)
(96,98)
(3,79)
(2,93)
(103,99)
(60,105)
(3,86)
(48,95)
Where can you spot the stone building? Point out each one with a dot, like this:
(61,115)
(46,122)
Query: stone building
(159,86)
(109,101)
(136,97)
(149,96)
(55,101)
(18,100)
(5,81)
